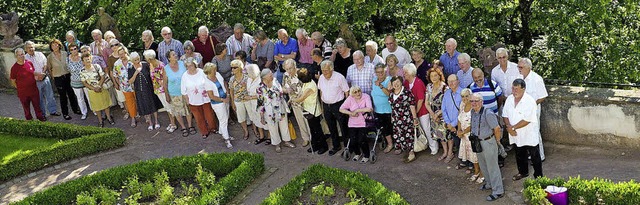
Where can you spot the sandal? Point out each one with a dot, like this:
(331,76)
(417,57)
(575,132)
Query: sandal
(493,197)
(461,166)
(473,177)
(267,142)
(192,130)
(410,158)
(442,157)
(185,132)
(479,180)
(246,136)
(150,128)
(205,136)
(519,176)
(449,158)
(157,126)
(258,141)
(171,129)
(134,124)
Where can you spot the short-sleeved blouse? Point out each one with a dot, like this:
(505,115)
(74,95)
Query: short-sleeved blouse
(239,88)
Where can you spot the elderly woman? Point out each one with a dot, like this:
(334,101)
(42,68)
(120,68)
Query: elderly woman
(93,79)
(238,92)
(371,49)
(273,110)
(253,82)
(435,92)
(293,87)
(403,118)
(189,52)
(342,57)
(223,61)
(75,67)
(121,79)
(418,59)
(57,66)
(308,97)
(148,42)
(157,76)
(146,100)
(116,96)
(417,88)
(356,106)
(392,66)
(214,85)
(108,36)
(464,130)
(195,94)
(173,85)
(263,50)
(382,107)
(70,38)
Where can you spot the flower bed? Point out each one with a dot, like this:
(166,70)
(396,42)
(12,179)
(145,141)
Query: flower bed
(239,170)
(77,141)
(365,187)
(582,191)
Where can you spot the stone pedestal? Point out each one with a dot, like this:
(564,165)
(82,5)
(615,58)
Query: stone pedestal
(7,59)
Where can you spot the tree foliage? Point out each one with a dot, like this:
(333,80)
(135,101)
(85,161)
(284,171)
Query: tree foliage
(587,40)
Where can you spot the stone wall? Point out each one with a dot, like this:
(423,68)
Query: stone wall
(591,116)
(8,58)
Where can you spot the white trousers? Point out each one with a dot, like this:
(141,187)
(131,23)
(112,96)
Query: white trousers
(279,131)
(303,124)
(80,97)
(426,127)
(222,112)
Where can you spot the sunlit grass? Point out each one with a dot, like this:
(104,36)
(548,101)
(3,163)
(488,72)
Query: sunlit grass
(12,146)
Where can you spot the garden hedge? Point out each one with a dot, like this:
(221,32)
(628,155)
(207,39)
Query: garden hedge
(364,186)
(76,141)
(582,191)
(239,170)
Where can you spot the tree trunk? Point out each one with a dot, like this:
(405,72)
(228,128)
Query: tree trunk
(525,32)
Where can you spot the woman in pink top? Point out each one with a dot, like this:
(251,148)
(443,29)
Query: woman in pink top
(355,106)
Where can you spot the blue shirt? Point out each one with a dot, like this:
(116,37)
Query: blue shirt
(281,49)
(489,97)
(380,100)
(450,63)
(450,105)
(465,78)
(174,79)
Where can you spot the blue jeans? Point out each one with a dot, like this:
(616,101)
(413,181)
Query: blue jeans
(47,101)
(279,75)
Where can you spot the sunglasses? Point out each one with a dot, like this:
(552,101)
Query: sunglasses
(114,45)
(73,49)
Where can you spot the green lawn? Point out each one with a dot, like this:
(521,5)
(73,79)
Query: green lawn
(13,145)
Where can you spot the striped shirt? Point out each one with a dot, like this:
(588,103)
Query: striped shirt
(163,48)
(234,45)
(489,97)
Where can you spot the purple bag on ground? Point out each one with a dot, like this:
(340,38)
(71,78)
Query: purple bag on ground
(557,195)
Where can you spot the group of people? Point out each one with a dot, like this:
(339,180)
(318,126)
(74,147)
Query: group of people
(333,92)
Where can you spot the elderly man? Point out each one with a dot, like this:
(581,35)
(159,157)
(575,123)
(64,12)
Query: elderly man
(360,73)
(317,57)
(392,47)
(285,48)
(99,46)
(239,41)
(484,125)
(23,78)
(488,89)
(521,121)
(449,59)
(323,44)
(464,74)
(333,90)
(505,72)
(167,44)
(450,107)
(305,45)
(39,61)
(536,89)
(204,44)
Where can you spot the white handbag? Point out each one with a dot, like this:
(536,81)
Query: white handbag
(420,141)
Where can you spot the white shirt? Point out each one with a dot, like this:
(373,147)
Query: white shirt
(38,59)
(505,79)
(375,61)
(252,86)
(209,85)
(524,110)
(401,53)
(193,86)
(536,88)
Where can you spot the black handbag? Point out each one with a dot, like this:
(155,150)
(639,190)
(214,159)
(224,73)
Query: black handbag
(474,139)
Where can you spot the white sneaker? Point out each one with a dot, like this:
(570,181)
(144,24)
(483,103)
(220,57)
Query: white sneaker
(84,117)
(229,144)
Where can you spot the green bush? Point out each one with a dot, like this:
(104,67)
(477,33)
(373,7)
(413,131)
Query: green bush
(581,191)
(364,186)
(77,141)
(239,169)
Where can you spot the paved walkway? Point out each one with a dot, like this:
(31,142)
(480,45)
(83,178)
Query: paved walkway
(425,181)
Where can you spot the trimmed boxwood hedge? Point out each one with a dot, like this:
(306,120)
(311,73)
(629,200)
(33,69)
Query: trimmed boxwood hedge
(239,170)
(582,191)
(77,141)
(364,186)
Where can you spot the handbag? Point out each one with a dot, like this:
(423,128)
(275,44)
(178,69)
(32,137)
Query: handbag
(420,142)
(370,119)
(476,147)
(292,131)
(107,83)
(262,62)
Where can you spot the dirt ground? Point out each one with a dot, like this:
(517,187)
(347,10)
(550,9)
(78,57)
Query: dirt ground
(424,181)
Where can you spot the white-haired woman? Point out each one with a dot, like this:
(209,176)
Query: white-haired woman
(356,106)
(273,110)
(219,100)
(172,85)
(146,101)
(293,87)
(464,130)
(70,38)
(148,42)
(190,52)
(195,94)
(371,49)
(253,82)
(157,79)
(108,36)
(342,57)
(238,93)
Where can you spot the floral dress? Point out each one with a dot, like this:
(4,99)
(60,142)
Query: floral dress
(403,129)
(435,100)
(157,77)
(464,121)
(271,102)
(239,88)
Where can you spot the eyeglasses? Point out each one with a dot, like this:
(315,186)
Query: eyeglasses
(502,57)
(357,91)
(474,101)
(73,49)
(464,96)
(233,67)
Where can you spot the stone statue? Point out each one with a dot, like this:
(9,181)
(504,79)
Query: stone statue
(107,23)
(9,28)
(347,35)
(488,58)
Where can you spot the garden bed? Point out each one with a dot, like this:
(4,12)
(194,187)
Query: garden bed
(73,141)
(235,172)
(582,191)
(360,189)
(13,145)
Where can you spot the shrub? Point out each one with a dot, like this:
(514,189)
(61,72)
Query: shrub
(77,141)
(364,186)
(581,191)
